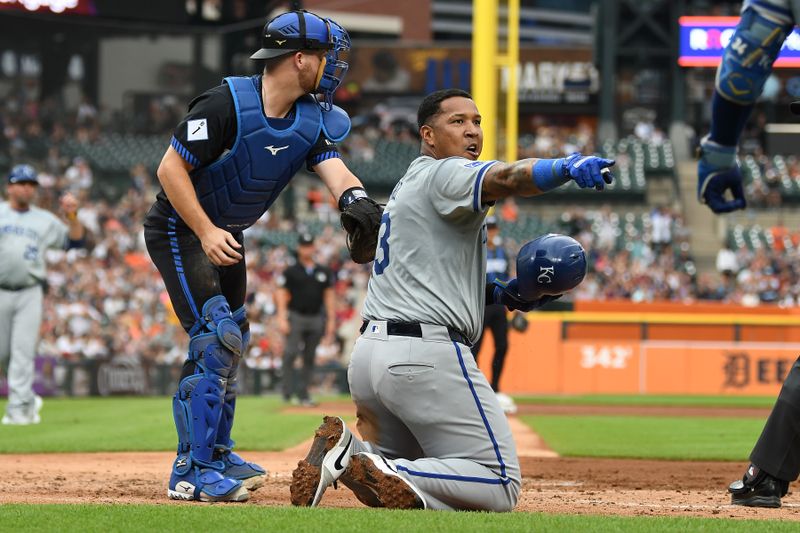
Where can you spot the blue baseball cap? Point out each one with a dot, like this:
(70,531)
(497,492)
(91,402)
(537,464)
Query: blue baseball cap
(23,174)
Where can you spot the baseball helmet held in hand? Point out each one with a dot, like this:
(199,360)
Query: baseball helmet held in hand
(550,265)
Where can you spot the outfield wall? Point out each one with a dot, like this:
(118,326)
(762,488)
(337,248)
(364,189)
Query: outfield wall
(635,350)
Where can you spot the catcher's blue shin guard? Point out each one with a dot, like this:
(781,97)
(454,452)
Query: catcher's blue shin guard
(250,474)
(197,407)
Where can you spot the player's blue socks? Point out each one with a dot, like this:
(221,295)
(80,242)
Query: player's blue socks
(729,120)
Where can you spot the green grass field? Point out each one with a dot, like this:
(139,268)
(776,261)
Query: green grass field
(82,425)
(651,400)
(200,518)
(129,424)
(642,437)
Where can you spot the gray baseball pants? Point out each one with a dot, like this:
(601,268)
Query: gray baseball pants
(20,320)
(424,403)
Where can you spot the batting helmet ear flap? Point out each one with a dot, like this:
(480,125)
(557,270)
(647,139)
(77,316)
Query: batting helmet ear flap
(550,265)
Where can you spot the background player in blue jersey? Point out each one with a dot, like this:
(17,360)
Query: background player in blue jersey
(230,157)
(498,262)
(747,63)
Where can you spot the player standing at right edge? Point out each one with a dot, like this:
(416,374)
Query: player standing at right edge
(434,433)
(746,65)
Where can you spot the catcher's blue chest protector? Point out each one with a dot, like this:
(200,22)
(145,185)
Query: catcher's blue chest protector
(238,188)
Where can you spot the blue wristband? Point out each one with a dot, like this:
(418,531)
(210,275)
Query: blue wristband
(549,174)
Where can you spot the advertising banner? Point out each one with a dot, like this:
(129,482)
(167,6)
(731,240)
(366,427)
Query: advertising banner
(702,40)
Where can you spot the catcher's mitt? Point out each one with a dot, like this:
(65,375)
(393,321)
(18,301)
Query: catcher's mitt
(362,221)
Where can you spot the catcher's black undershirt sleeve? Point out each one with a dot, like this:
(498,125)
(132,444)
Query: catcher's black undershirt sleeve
(209,128)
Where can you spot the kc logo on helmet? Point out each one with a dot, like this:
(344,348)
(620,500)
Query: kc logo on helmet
(545,275)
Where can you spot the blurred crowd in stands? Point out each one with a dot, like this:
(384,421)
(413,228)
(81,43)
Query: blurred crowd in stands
(109,300)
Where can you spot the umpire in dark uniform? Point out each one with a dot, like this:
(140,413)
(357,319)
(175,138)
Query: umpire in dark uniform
(305,315)
(775,459)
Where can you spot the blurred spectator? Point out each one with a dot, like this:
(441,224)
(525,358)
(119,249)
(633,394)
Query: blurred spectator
(661,220)
(79,177)
(387,75)
(509,211)
(727,264)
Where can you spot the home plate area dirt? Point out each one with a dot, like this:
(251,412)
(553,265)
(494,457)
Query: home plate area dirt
(551,484)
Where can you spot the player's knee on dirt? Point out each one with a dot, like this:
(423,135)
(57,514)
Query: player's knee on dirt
(748,58)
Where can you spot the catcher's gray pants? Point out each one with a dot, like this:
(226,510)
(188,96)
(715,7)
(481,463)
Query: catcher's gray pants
(424,403)
(20,319)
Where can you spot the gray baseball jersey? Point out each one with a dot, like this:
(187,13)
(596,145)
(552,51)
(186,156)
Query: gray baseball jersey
(24,236)
(430,265)
(422,402)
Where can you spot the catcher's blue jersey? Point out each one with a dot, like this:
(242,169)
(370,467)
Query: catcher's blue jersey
(237,189)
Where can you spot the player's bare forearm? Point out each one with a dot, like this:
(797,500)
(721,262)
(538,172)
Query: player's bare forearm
(509,179)
(330,310)
(336,176)
(330,306)
(76,230)
(173,173)
(282,303)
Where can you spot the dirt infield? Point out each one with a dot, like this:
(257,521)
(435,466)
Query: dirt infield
(550,484)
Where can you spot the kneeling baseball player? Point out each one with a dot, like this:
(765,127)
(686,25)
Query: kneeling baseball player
(434,433)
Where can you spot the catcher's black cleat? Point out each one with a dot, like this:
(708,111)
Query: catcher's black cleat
(758,489)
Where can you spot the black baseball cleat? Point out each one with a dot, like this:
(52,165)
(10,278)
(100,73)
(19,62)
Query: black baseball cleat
(758,489)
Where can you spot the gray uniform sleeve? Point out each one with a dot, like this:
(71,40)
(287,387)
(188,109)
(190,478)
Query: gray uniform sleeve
(455,187)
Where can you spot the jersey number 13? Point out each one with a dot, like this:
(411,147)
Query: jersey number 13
(382,254)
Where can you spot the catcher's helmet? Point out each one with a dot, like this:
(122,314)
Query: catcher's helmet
(303,30)
(550,265)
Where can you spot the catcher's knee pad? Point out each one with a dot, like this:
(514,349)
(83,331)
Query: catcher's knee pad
(748,57)
(198,404)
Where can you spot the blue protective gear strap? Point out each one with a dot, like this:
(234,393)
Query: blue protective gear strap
(549,174)
(748,58)
(335,123)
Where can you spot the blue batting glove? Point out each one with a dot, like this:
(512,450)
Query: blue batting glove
(718,172)
(588,170)
(507,293)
